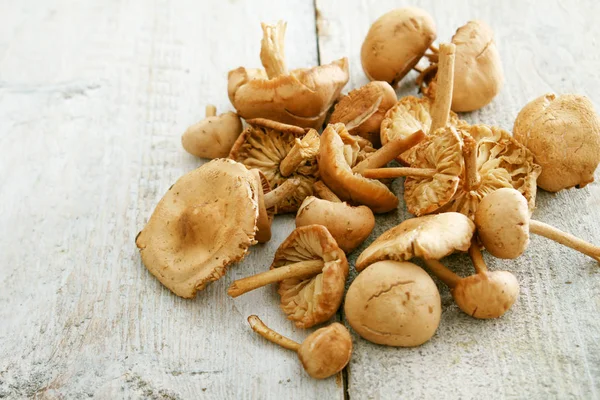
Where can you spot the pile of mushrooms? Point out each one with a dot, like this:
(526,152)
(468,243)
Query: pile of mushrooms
(471,188)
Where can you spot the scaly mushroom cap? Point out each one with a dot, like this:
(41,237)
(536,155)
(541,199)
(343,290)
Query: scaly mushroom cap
(326,351)
(212,137)
(429,237)
(363,109)
(394,303)
(263,145)
(563,133)
(265,217)
(311,300)
(336,160)
(206,221)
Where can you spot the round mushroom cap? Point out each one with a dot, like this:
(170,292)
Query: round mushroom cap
(563,133)
(487,294)
(431,237)
(348,225)
(394,303)
(206,221)
(336,171)
(212,137)
(326,351)
(309,301)
(502,221)
(395,43)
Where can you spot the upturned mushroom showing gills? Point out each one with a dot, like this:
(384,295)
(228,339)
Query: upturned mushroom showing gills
(205,222)
(299,97)
(324,353)
(281,152)
(311,270)
(393,303)
(504,224)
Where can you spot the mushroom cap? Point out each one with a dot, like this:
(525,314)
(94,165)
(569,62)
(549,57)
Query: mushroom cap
(326,351)
(336,171)
(395,43)
(263,145)
(265,217)
(563,133)
(502,221)
(348,225)
(487,294)
(431,237)
(206,221)
(363,109)
(394,303)
(300,98)
(311,300)
(212,137)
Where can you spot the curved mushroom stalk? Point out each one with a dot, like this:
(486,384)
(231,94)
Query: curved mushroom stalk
(388,152)
(272,54)
(304,149)
(323,353)
(564,238)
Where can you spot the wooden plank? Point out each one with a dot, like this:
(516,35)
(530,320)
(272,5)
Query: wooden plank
(93,99)
(547,346)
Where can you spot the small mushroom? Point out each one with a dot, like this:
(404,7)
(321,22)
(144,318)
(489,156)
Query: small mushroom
(214,136)
(363,109)
(563,133)
(503,223)
(394,303)
(395,43)
(205,222)
(311,270)
(324,353)
(299,97)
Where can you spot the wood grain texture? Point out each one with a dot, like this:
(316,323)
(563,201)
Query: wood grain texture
(547,346)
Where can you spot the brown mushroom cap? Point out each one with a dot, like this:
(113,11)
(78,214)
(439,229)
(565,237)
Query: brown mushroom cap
(428,237)
(563,133)
(206,221)
(335,168)
(326,351)
(394,303)
(214,136)
(348,225)
(311,300)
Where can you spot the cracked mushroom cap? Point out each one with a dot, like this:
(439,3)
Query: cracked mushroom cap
(312,300)
(335,166)
(429,237)
(394,303)
(206,221)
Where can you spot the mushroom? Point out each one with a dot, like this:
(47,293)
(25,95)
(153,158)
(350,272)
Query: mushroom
(311,270)
(395,43)
(363,109)
(214,136)
(324,353)
(205,222)
(503,223)
(280,152)
(563,133)
(299,97)
(393,303)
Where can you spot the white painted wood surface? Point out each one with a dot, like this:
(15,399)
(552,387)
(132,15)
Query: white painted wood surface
(93,99)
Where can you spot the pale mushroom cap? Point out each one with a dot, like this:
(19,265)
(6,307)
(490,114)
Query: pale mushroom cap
(396,42)
(429,237)
(326,351)
(563,133)
(502,221)
(212,137)
(206,221)
(348,225)
(313,300)
(486,295)
(394,303)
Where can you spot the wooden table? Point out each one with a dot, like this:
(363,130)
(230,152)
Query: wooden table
(94,96)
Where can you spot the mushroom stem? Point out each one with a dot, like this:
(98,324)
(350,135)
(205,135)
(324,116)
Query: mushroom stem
(303,149)
(472,178)
(442,272)
(383,173)
(477,258)
(280,193)
(272,54)
(434,49)
(295,270)
(389,151)
(263,330)
(564,238)
(323,192)
(445,83)
(210,111)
